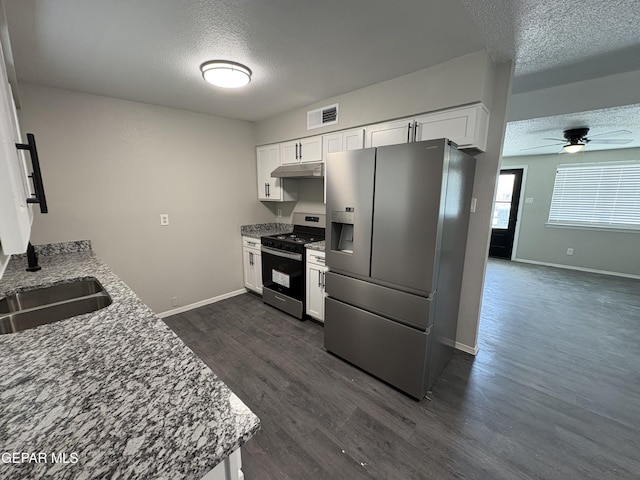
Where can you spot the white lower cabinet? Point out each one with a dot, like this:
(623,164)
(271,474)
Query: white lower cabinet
(252,264)
(229,469)
(315,275)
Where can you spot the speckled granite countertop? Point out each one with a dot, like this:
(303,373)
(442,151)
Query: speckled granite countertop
(319,246)
(260,229)
(115,389)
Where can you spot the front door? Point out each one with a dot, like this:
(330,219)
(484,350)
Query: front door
(505,213)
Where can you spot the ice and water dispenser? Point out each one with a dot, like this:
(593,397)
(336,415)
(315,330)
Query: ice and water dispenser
(342,230)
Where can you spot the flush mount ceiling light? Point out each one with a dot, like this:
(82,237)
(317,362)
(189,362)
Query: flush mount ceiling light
(225,74)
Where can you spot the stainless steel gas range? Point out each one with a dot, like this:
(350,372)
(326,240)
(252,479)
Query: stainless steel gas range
(283,263)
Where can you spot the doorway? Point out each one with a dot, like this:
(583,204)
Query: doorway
(505,213)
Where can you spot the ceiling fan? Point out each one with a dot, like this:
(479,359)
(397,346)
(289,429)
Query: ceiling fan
(575,139)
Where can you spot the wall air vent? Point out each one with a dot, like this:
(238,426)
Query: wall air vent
(322,117)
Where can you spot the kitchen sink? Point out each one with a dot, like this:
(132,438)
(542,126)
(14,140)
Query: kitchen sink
(41,306)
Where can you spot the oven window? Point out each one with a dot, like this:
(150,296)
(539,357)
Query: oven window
(284,275)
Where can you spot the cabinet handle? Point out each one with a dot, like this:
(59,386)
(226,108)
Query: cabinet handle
(39,196)
(409,132)
(323,279)
(319,281)
(250,258)
(300,150)
(296,151)
(268,190)
(415,131)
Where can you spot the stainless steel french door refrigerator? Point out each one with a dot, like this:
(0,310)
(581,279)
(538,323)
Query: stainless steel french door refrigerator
(397,221)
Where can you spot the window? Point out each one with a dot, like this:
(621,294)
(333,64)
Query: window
(600,195)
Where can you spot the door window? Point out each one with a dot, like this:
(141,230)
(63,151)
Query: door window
(504,197)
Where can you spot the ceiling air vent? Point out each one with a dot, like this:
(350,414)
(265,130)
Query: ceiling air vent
(322,117)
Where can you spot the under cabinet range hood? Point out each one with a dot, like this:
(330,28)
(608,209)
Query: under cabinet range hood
(299,170)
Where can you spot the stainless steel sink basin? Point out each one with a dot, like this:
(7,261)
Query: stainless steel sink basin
(40,306)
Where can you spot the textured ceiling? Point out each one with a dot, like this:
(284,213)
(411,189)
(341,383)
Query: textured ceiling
(302,51)
(299,51)
(529,137)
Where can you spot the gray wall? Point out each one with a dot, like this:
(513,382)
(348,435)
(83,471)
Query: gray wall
(463,80)
(593,94)
(607,251)
(111,167)
(467,79)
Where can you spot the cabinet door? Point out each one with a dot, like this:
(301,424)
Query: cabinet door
(315,291)
(340,142)
(257,270)
(252,265)
(289,153)
(310,149)
(249,272)
(391,133)
(268,160)
(15,212)
(467,126)
(331,143)
(353,139)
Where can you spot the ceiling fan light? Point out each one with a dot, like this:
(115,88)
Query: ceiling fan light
(225,74)
(573,147)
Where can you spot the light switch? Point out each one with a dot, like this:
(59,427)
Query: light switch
(528,200)
(474,202)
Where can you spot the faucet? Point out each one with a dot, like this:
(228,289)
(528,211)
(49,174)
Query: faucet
(32,259)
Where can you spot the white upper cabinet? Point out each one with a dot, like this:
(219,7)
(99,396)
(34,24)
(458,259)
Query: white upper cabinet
(466,126)
(15,213)
(389,133)
(340,142)
(272,189)
(301,151)
(353,139)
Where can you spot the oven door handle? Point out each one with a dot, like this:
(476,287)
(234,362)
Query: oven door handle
(280,253)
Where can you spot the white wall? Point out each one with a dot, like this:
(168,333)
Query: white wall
(606,251)
(110,167)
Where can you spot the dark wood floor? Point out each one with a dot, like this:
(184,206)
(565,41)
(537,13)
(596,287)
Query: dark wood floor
(554,392)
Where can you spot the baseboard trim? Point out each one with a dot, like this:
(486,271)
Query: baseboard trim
(201,303)
(580,269)
(466,348)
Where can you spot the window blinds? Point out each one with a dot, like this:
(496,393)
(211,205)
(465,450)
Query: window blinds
(604,195)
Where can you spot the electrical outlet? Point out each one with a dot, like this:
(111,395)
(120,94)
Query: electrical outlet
(279,212)
(164,219)
(569,251)
(174,301)
(474,202)
(528,200)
